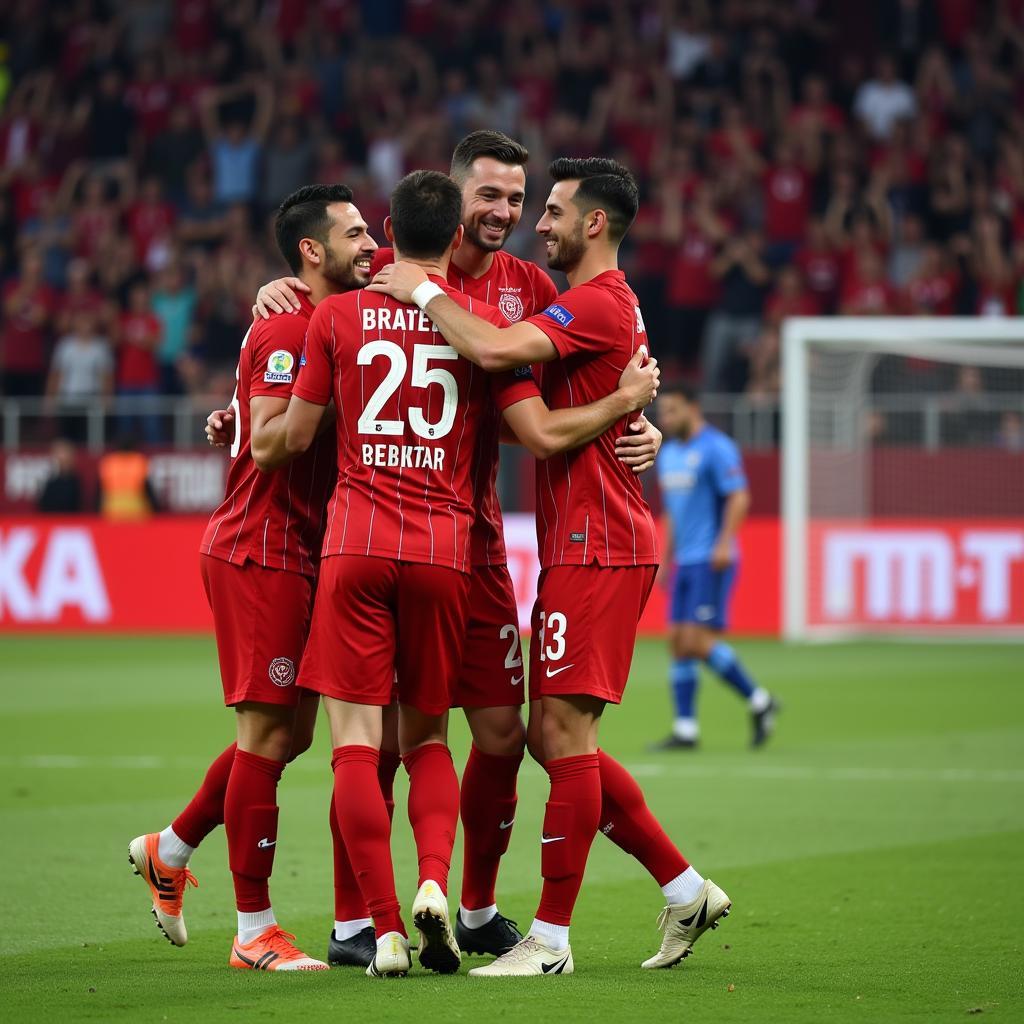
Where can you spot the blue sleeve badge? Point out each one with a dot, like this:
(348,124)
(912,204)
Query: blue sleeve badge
(560,314)
(523,372)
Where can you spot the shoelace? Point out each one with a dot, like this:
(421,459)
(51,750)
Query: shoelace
(663,919)
(280,942)
(521,950)
(186,876)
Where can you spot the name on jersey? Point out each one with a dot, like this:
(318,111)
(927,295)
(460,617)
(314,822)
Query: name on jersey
(401,319)
(403,456)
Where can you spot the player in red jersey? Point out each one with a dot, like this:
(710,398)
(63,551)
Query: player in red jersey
(258,558)
(598,555)
(490,169)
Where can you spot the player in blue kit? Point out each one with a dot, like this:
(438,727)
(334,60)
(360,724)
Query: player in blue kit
(705,499)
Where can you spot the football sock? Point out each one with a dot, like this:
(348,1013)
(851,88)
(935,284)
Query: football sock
(722,659)
(478,918)
(349,929)
(206,809)
(366,829)
(554,935)
(683,675)
(686,729)
(250,820)
(627,821)
(349,905)
(172,850)
(488,807)
(684,888)
(759,700)
(571,819)
(251,925)
(433,809)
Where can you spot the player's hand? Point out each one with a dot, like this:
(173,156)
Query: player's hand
(639,448)
(279,296)
(220,427)
(721,556)
(399,280)
(640,379)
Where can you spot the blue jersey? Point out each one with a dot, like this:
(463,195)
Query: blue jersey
(696,476)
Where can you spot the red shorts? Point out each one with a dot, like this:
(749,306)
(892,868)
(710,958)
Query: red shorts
(584,629)
(376,617)
(261,618)
(492,669)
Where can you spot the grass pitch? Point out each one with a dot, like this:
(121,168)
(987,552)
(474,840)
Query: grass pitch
(873,852)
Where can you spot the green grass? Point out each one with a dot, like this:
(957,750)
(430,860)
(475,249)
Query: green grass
(873,852)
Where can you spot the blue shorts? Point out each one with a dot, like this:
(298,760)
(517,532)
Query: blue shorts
(701,595)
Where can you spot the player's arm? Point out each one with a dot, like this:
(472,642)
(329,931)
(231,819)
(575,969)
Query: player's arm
(546,432)
(492,348)
(731,483)
(284,430)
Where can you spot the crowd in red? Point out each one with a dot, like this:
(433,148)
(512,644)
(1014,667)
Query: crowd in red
(799,158)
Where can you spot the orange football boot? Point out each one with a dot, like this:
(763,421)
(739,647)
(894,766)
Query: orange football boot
(272,950)
(166,884)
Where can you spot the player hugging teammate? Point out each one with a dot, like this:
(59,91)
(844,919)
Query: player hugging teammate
(422,372)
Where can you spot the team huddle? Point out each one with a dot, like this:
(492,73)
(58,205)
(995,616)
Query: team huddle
(358,560)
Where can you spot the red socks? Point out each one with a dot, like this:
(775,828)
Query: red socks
(627,821)
(349,904)
(488,807)
(250,820)
(206,809)
(433,809)
(571,819)
(366,830)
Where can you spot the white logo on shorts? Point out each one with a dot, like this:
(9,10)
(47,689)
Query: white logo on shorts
(705,611)
(282,672)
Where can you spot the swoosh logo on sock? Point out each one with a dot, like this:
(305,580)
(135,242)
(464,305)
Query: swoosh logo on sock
(506,824)
(557,967)
(550,839)
(266,844)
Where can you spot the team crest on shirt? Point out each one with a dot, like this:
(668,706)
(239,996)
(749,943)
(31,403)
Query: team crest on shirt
(511,306)
(279,367)
(282,672)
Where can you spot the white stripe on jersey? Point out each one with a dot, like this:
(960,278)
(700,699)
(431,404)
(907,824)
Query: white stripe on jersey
(362,405)
(288,517)
(604,506)
(398,489)
(266,524)
(227,515)
(455,461)
(245,516)
(565,456)
(309,500)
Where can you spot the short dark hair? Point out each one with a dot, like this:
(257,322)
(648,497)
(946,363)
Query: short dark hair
(682,389)
(604,184)
(426,210)
(304,215)
(486,142)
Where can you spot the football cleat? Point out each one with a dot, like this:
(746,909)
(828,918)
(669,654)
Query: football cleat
(763,723)
(673,742)
(682,924)
(357,951)
(495,938)
(438,949)
(391,957)
(526,959)
(272,950)
(166,884)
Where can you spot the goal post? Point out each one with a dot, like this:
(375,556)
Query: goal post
(902,476)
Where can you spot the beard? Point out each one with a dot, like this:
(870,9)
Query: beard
(568,251)
(474,235)
(342,274)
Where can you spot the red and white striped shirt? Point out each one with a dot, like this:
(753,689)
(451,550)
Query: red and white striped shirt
(409,414)
(273,519)
(518,289)
(590,507)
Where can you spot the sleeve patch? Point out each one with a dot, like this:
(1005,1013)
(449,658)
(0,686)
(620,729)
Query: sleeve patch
(559,314)
(279,367)
(523,372)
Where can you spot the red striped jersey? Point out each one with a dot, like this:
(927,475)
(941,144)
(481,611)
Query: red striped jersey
(518,289)
(409,412)
(590,507)
(274,519)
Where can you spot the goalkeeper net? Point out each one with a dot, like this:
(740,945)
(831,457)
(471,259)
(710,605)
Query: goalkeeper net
(903,475)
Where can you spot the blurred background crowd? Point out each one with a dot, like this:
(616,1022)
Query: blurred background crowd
(799,157)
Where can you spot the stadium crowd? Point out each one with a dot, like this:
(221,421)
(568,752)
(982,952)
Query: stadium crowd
(799,158)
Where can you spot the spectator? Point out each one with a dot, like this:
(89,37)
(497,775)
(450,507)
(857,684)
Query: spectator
(82,370)
(744,275)
(287,163)
(174,302)
(235,139)
(28,304)
(126,492)
(884,100)
(62,491)
(139,335)
(867,292)
(790,297)
(786,185)
(150,222)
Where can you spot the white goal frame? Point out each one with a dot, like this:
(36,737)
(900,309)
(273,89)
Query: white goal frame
(885,335)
